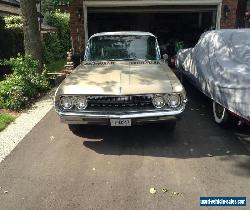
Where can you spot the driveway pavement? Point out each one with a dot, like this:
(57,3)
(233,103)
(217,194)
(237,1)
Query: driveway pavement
(114,168)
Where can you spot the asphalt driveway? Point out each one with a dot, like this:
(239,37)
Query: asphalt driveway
(114,168)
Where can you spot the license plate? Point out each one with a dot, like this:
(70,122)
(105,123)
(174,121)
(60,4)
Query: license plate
(120,122)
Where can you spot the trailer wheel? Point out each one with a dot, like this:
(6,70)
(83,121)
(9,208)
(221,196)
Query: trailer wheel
(222,116)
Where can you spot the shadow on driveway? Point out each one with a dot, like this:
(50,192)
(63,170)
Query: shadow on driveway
(196,136)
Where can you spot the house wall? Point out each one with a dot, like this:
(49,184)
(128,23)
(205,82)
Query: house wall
(77,26)
(230,21)
(7,9)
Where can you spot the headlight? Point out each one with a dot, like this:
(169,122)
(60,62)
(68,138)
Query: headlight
(67,102)
(158,102)
(173,100)
(81,102)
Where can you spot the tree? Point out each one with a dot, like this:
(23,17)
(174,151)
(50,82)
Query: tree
(32,37)
(51,5)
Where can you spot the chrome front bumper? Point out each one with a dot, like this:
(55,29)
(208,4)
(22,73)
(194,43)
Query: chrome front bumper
(104,118)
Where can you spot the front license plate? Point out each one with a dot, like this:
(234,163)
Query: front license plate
(120,122)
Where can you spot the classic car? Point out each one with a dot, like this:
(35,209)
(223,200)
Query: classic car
(121,82)
(219,66)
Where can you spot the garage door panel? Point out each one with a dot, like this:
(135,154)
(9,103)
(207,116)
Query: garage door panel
(107,3)
(152,9)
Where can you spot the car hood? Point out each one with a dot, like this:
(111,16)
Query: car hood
(121,78)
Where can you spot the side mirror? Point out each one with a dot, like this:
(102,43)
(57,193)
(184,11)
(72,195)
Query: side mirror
(165,57)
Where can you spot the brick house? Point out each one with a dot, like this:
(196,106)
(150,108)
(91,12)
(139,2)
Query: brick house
(12,7)
(9,7)
(168,19)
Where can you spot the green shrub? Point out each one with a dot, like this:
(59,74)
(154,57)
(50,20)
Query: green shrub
(56,66)
(57,44)
(23,84)
(52,48)
(14,22)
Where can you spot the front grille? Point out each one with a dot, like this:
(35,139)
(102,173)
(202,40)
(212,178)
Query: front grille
(120,101)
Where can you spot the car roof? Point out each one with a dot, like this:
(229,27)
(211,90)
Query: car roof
(125,33)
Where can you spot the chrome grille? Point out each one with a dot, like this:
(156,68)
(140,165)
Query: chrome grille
(120,101)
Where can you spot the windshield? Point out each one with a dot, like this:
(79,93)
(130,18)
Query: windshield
(122,47)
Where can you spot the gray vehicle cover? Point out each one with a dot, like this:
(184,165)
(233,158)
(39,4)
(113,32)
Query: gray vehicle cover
(219,65)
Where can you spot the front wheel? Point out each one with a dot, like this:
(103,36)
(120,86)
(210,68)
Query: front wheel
(222,116)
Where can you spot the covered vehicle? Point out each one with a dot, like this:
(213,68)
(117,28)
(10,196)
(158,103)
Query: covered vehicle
(121,82)
(219,66)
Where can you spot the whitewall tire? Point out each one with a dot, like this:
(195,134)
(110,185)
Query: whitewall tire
(222,116)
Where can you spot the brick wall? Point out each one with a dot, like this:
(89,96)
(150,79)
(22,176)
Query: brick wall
(230,21)
(77,27)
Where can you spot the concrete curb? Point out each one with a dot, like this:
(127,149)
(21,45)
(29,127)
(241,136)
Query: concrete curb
(16,131)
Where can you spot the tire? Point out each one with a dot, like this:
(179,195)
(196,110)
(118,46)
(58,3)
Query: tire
(223,117)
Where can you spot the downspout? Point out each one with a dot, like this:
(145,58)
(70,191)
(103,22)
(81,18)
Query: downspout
(85,23)
(218,22)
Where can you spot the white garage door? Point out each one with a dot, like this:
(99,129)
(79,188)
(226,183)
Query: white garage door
(151,6)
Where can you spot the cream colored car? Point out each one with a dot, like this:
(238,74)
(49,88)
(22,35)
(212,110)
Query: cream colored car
(122,82)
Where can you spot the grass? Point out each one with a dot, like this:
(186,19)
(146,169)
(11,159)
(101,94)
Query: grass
(56,66)
(5,120)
